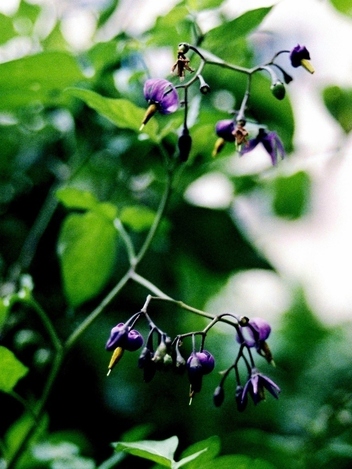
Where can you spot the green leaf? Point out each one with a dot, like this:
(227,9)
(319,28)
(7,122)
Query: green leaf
(7,30)
(75,198)
(291,195)
(161,452)
(339,103)
(237,462)
(199,5)
(227,33)
(121,112)
(87,245)
(212,447)
(12,370)
(188,459)
(344,6)
(38,78)
(137,217)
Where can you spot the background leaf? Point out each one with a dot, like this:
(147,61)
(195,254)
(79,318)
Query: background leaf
(12,370)
(121,112)
(291,195)
(38,78)
(86,247)
(339,103)
(343,6)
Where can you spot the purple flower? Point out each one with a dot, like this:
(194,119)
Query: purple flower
(270,141)
(198,365)
(300,56)
(224,129)
(122,336)
(256,331)
(256,385)
(161,96)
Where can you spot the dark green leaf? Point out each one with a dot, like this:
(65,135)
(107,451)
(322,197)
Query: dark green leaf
(86,247)
(238,462)
(199,230)
(161,452)
(12,370)
(225,35)
(291,195)
(212,446)
(339,103)
(37,78)
(120,112)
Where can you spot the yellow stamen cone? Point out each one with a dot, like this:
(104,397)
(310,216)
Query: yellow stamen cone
(116,357)
(307,65)
(149,114)
(219,144)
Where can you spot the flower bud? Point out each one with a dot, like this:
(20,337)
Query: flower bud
(204,88)
(133,341)
(145,362)
(195,372)
(241,401)
(117,337)
(218,396)
(184,144)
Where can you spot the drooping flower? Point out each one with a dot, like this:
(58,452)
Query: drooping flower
(256,385)
(161,96)
(125,337)
(300,56)
(198,365)
(224,130)
(256,330)
(270,141)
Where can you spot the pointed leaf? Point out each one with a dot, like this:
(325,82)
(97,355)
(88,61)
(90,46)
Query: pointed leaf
(12,370)
(86,247)
(161,452)
(212,447)
(236,29)
(188,459)
(121,112)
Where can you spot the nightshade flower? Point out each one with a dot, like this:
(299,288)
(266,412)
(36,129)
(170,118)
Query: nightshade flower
(198,365)
(257,330)
(228,131)
(270,141)
(161,96)
(256,385)
(300,56)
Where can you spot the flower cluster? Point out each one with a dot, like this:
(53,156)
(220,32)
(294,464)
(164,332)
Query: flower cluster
(163,97)
(160,352)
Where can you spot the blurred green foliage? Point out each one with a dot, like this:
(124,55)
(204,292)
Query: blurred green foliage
(77,179)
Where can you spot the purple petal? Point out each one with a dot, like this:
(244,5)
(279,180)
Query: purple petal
(163,93)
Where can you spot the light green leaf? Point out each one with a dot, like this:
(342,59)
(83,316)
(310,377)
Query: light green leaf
(291,195)
(161,452)
(339,103)
(75,198)
(203,4)
(86,247)
(121,112)
(206,450)
(7,30)
(12,370)
(344,6)
(38,78)
(138,217)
